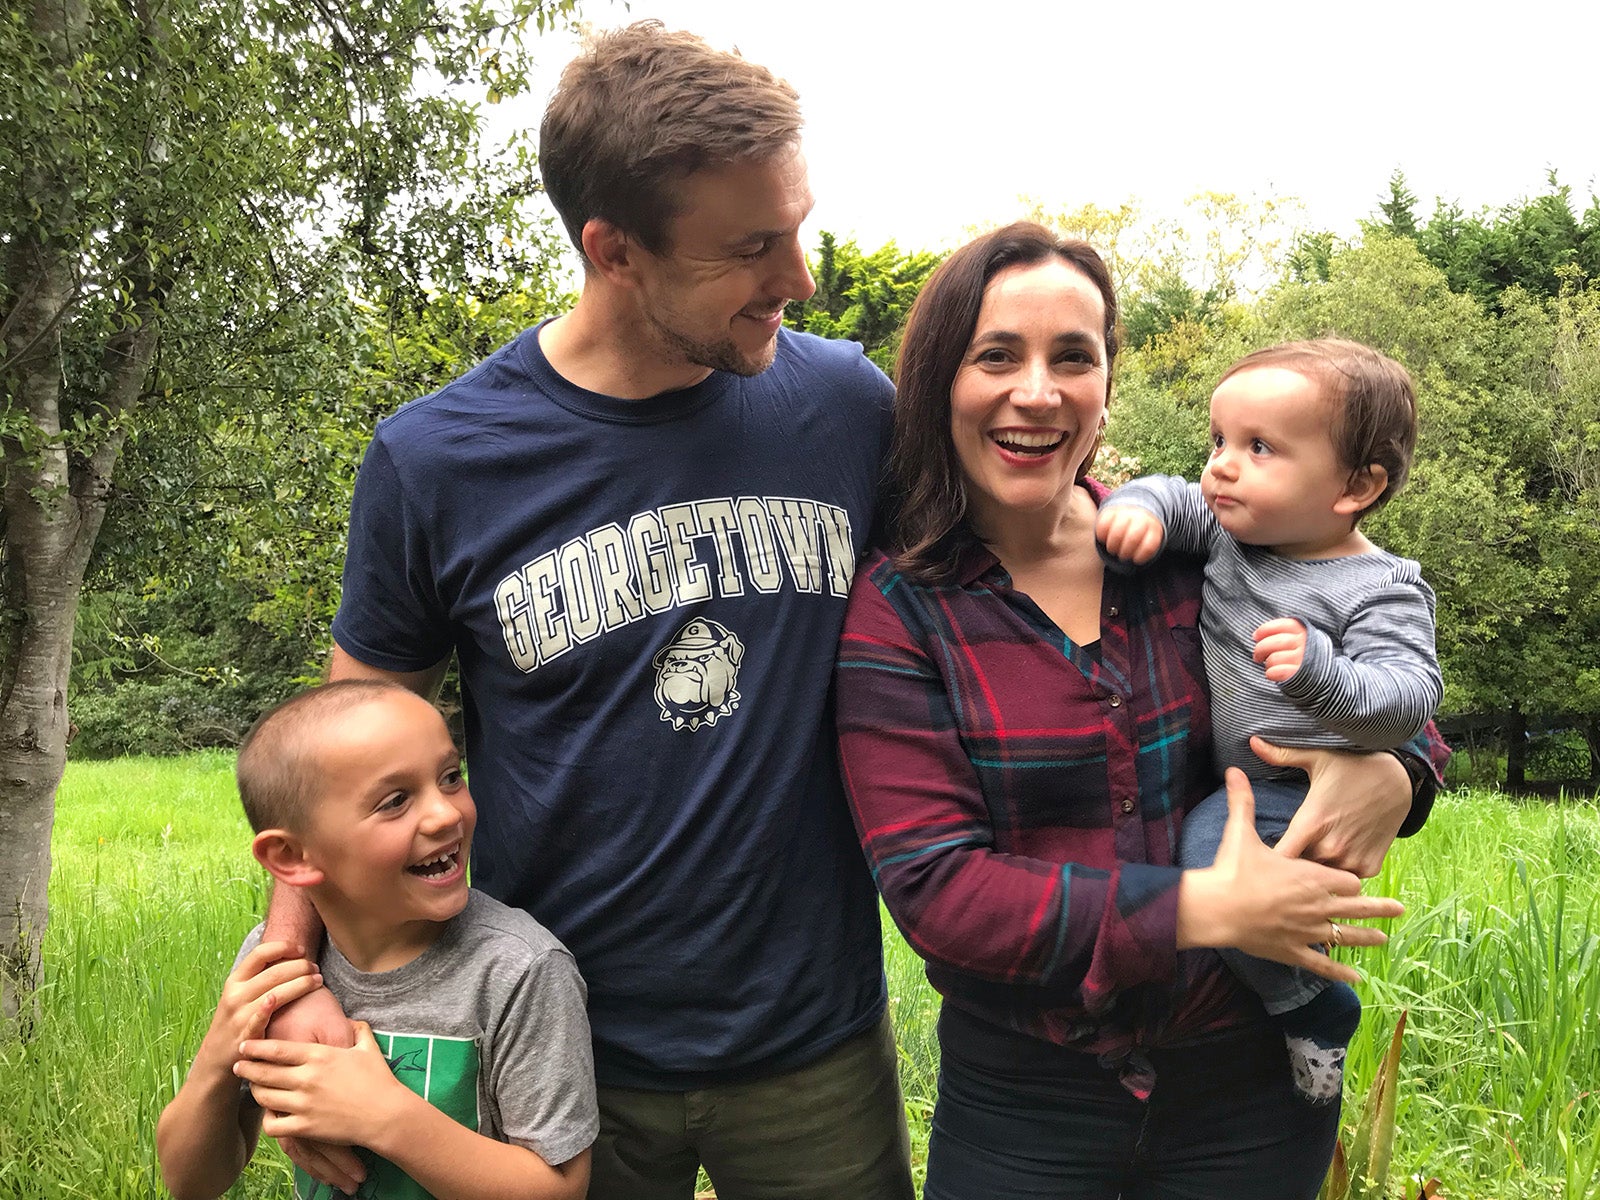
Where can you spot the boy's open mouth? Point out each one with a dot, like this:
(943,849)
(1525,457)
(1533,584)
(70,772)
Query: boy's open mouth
(440,864)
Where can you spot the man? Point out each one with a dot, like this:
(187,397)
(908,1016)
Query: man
(635,526)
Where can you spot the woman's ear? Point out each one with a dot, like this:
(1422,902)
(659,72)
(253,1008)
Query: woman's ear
(1362,490)
(283,854)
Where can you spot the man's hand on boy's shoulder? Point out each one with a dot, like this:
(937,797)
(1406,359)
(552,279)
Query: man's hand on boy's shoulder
(1130,533)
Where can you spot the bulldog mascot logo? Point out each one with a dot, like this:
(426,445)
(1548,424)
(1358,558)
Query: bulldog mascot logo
(696,673)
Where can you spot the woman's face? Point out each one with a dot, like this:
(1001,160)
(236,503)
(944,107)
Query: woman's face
(1029,396)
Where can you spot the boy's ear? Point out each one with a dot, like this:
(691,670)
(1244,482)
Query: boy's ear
(1363,487)
(284,855)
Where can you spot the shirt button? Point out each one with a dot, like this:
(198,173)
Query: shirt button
(1127,806)
(1112,611)
(1115,701)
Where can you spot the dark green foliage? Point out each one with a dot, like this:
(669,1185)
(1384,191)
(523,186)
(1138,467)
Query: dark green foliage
(1167,299)
(1527,244)
(1398,210)
(862,297)
(174,670)
(238,537)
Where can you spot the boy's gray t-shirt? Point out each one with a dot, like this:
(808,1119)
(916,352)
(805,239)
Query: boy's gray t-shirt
(488,1024)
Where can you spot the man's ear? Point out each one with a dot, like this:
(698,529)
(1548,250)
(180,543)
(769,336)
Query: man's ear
(610,251)
(1361,489)
(284,855)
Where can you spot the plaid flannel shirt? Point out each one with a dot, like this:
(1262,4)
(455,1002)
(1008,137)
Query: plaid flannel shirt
(1019,800)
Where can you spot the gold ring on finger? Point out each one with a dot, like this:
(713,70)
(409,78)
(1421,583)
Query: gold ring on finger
(1335,934)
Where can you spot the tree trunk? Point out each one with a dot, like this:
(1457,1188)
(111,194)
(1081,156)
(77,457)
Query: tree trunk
(44,565)
(54,505)
(54,502)
(1516,749)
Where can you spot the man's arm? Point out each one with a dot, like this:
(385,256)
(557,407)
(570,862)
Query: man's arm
(424,683)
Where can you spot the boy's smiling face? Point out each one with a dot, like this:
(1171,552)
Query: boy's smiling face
(389,831)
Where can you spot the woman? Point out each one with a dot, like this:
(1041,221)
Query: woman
(1021,734)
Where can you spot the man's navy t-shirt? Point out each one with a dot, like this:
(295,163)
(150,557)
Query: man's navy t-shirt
(645,598)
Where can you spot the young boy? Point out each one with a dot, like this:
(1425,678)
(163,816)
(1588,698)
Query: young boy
(1313,636)
(478,1081)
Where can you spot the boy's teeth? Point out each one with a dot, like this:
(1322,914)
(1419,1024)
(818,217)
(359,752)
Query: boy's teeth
(435,865)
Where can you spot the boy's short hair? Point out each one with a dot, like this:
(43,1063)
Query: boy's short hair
(642,109)
(277,768)
(1375,404)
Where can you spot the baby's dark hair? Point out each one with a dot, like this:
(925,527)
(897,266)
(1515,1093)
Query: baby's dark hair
(1374,419)
(277,767)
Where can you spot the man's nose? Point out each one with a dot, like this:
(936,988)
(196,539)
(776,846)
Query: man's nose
(792,278)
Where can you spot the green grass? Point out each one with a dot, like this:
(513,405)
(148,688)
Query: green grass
(1498,960)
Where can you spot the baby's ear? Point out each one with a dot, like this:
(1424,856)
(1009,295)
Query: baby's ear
(1362,490)
(284,855)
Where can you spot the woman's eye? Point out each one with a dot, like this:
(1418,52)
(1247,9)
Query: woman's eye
(992,356)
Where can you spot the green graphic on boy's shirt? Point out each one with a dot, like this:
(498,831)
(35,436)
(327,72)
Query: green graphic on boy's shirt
(444,1072)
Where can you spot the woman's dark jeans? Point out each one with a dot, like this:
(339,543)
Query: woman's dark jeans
(1018,1117)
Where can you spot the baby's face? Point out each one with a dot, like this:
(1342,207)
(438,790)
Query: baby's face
(392,826)
(1274,479)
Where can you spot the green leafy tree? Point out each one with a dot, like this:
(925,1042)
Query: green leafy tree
(1528,244)
(190,195)
(1503,506)
(1186,270)
(1399,208)
(862,297)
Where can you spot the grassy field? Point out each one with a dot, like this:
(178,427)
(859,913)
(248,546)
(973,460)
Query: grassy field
(1498,960)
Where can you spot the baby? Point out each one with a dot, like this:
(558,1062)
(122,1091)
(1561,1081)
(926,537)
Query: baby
(1313,636)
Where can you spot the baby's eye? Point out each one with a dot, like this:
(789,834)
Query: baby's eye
(451,778)
(1257,446)
(1217,442)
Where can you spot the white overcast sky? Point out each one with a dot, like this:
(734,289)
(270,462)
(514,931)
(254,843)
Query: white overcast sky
(925,119)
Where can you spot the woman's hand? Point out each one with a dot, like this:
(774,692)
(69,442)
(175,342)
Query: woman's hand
(1271,905)
(1353,810)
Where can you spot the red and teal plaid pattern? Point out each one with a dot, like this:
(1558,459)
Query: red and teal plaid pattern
(1019,799)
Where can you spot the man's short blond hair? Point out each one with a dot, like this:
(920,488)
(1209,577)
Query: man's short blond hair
(279,765)
(642,109)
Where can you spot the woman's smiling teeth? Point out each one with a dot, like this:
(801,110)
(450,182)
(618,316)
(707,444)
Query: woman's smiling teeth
(1020,441)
